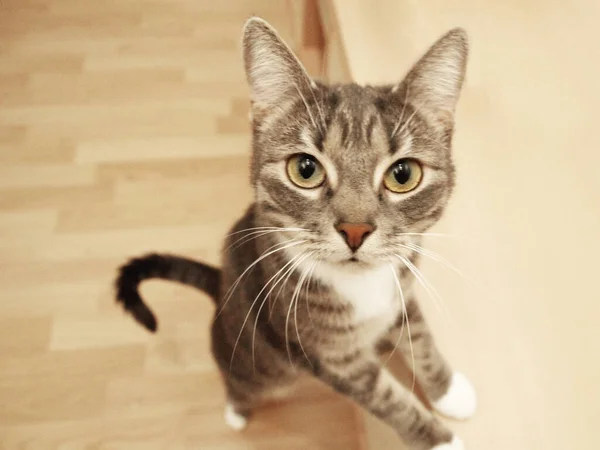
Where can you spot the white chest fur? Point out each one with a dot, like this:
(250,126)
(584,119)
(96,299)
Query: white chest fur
(373,293)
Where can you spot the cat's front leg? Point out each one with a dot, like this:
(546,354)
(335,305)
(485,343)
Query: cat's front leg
(361,377)
(450,392)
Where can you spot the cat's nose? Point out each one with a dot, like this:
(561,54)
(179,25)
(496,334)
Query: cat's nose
(354,233)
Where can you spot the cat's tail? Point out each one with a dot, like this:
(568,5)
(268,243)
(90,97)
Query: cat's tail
(167,267)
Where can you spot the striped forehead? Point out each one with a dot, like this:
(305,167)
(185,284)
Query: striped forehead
(356,130)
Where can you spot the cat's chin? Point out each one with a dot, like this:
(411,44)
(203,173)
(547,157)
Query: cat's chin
(354,263)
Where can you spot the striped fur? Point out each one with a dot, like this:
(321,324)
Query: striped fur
(166,267)
(279,312)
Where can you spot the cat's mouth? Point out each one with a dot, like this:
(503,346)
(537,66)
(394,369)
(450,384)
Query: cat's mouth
(354,262)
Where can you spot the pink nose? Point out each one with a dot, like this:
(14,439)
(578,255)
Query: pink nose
(354,233)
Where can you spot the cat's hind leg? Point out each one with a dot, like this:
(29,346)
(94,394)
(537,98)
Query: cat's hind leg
(252,371)
(235,418)
(240,404)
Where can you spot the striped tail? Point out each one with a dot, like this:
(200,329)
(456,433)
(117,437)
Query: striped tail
(167,267)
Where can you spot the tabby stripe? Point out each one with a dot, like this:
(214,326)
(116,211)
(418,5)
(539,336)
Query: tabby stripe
(370,127)
(345,359)
(325,308)
(334,329)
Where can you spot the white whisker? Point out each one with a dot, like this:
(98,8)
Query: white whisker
(312,119)
(407,123)
(287,318)
(290,262)
(412,353)
(310,274)
(285,277)
(249,311)
(433,293)
(247,238)
(431,234)
(296,261)
(401,113)
(284,284)
(265,228)
(257,233)
(266,253)
(253,235)
(296,295)
(323,122)
(436,257)
(287,341)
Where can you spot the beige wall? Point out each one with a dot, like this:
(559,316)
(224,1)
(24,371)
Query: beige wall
(528,201)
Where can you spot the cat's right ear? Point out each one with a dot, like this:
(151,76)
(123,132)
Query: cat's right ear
(274,74)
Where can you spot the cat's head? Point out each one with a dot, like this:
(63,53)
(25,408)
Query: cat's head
(351,168)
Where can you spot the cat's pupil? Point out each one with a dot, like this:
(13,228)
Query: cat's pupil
(402,172)
(306,167)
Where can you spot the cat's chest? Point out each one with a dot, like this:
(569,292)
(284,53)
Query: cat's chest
(372,294)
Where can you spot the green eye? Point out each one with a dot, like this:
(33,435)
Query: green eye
(305,171)
(403,176)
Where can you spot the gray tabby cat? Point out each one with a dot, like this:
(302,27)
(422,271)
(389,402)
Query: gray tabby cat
(317,274)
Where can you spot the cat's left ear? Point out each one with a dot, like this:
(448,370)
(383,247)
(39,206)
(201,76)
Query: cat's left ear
(274,73)
(435,81)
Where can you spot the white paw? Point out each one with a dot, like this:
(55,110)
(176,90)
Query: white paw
(233,419)
(460,402)
(456,444)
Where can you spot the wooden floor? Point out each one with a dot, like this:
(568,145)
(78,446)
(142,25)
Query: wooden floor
(124,129)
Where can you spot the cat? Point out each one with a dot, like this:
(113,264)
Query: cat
(317,274)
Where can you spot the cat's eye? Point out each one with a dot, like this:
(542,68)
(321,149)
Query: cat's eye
(403,176)
(305,171)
